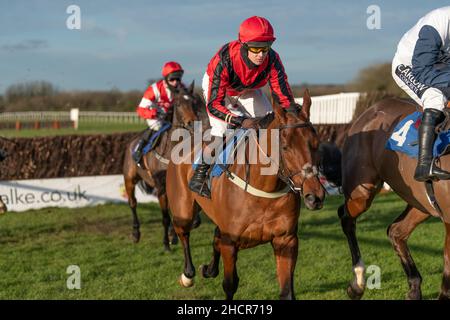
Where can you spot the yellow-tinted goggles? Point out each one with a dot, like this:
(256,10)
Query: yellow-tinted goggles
(258,49)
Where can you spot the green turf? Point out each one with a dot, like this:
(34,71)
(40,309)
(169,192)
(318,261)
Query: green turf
(36,248)
(84,128)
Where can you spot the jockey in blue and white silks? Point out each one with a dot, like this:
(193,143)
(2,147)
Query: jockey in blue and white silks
(421,67)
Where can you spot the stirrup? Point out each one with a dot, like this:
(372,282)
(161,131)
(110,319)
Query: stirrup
(200,187)
(199,181)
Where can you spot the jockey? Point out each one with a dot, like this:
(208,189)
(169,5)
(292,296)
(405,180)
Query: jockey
(421,67)
(232,86)
(157,101)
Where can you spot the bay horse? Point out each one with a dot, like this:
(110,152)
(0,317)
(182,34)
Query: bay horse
(244,220)
(153,172)
(366,164)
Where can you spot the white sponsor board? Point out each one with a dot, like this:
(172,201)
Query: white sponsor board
(77,192)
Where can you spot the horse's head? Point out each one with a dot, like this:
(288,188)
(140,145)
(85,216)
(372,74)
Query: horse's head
(299,158)
(185,105)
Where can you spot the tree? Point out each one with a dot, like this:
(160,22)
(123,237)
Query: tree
(377,77)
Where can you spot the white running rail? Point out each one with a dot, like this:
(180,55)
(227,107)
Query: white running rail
(333,108)
(329,109)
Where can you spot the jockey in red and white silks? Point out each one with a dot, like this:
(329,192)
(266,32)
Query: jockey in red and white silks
(157,101)
(157,98)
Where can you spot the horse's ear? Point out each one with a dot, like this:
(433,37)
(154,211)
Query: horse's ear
(279,111)
(306,104)
(191,87)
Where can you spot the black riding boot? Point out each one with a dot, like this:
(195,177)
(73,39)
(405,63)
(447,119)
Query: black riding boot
(137,154)
(198,181)
(426,170)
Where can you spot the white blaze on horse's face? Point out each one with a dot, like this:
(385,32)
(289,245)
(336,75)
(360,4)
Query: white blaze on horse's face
(186,97)
(309,170)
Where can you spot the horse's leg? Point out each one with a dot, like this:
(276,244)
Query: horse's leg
(197,220)
(398,233)
(3,207)
(445,287)
(230,282)
(212,270)
(183,227)
(187,277)
(173,238)
(130,186)
(165,219)
(286,251)
(358,202)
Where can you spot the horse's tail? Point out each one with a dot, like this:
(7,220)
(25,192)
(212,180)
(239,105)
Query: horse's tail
(330,163)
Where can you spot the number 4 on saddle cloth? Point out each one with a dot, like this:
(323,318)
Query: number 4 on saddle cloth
(406,135)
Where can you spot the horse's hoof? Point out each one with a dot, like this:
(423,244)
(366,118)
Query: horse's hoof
(203,269)
(414,295)
(136,237)
(174,240)
(444,296)
(167,247)
(354,292)
(185,281)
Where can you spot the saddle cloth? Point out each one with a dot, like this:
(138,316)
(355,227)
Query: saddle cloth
(155,137)
(405,137)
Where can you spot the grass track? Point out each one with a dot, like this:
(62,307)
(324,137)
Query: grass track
(84,128)
(37,246)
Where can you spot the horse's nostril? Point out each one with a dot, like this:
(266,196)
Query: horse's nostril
(313,201)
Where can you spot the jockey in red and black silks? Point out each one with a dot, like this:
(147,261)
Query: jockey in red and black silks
(157,101)
(231,74)
(421,67)
(233,81)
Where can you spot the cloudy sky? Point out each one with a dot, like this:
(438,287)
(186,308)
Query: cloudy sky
(123,43)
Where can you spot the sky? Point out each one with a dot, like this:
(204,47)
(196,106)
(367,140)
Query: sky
(122,44)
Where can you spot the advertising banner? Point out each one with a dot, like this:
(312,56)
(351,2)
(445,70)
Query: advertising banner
(76,192)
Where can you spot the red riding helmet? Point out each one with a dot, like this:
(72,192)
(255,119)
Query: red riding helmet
(171,67)
(256,29)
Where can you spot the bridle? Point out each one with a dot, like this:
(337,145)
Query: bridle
(176,106)
(180,124)
(306,172)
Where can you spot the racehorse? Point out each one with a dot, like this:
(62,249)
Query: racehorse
(153,172)
(366,164)
(245,220)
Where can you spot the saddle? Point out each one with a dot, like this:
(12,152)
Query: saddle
(225,158)
(154,139)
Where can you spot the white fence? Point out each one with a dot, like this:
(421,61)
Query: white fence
(85,116)
(99,116)
(329,109)
(334,108)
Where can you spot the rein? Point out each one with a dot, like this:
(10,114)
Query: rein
(160,156)
(307,172)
